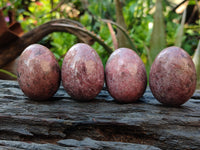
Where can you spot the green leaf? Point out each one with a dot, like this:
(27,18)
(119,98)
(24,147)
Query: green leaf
(8,73)
(180,33)
(158,36)
(196,60)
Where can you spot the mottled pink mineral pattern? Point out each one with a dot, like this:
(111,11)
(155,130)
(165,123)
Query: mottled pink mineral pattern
(173,76)
(82,72)
(125,75)
(38,72)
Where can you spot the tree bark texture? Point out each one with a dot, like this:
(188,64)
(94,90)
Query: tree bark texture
(63,123)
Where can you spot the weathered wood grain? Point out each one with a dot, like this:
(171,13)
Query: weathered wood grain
(99,124)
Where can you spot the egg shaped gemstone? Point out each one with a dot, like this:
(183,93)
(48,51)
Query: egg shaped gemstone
(38,72)
(82,72)
(173,76)
(126,77)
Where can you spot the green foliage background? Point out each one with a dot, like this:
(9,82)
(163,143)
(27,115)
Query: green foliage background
(138,16)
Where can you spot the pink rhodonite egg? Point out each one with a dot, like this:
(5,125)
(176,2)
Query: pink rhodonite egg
(38,72)
(173,76)
(126,77)
(82,72)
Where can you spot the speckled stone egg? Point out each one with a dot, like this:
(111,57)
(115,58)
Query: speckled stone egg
(126,77)
(172,76)
(38,72)
(82,72)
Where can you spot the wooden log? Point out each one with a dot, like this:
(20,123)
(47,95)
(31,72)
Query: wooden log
(62,122)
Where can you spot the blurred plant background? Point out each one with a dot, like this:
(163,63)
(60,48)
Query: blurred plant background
(149,24)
